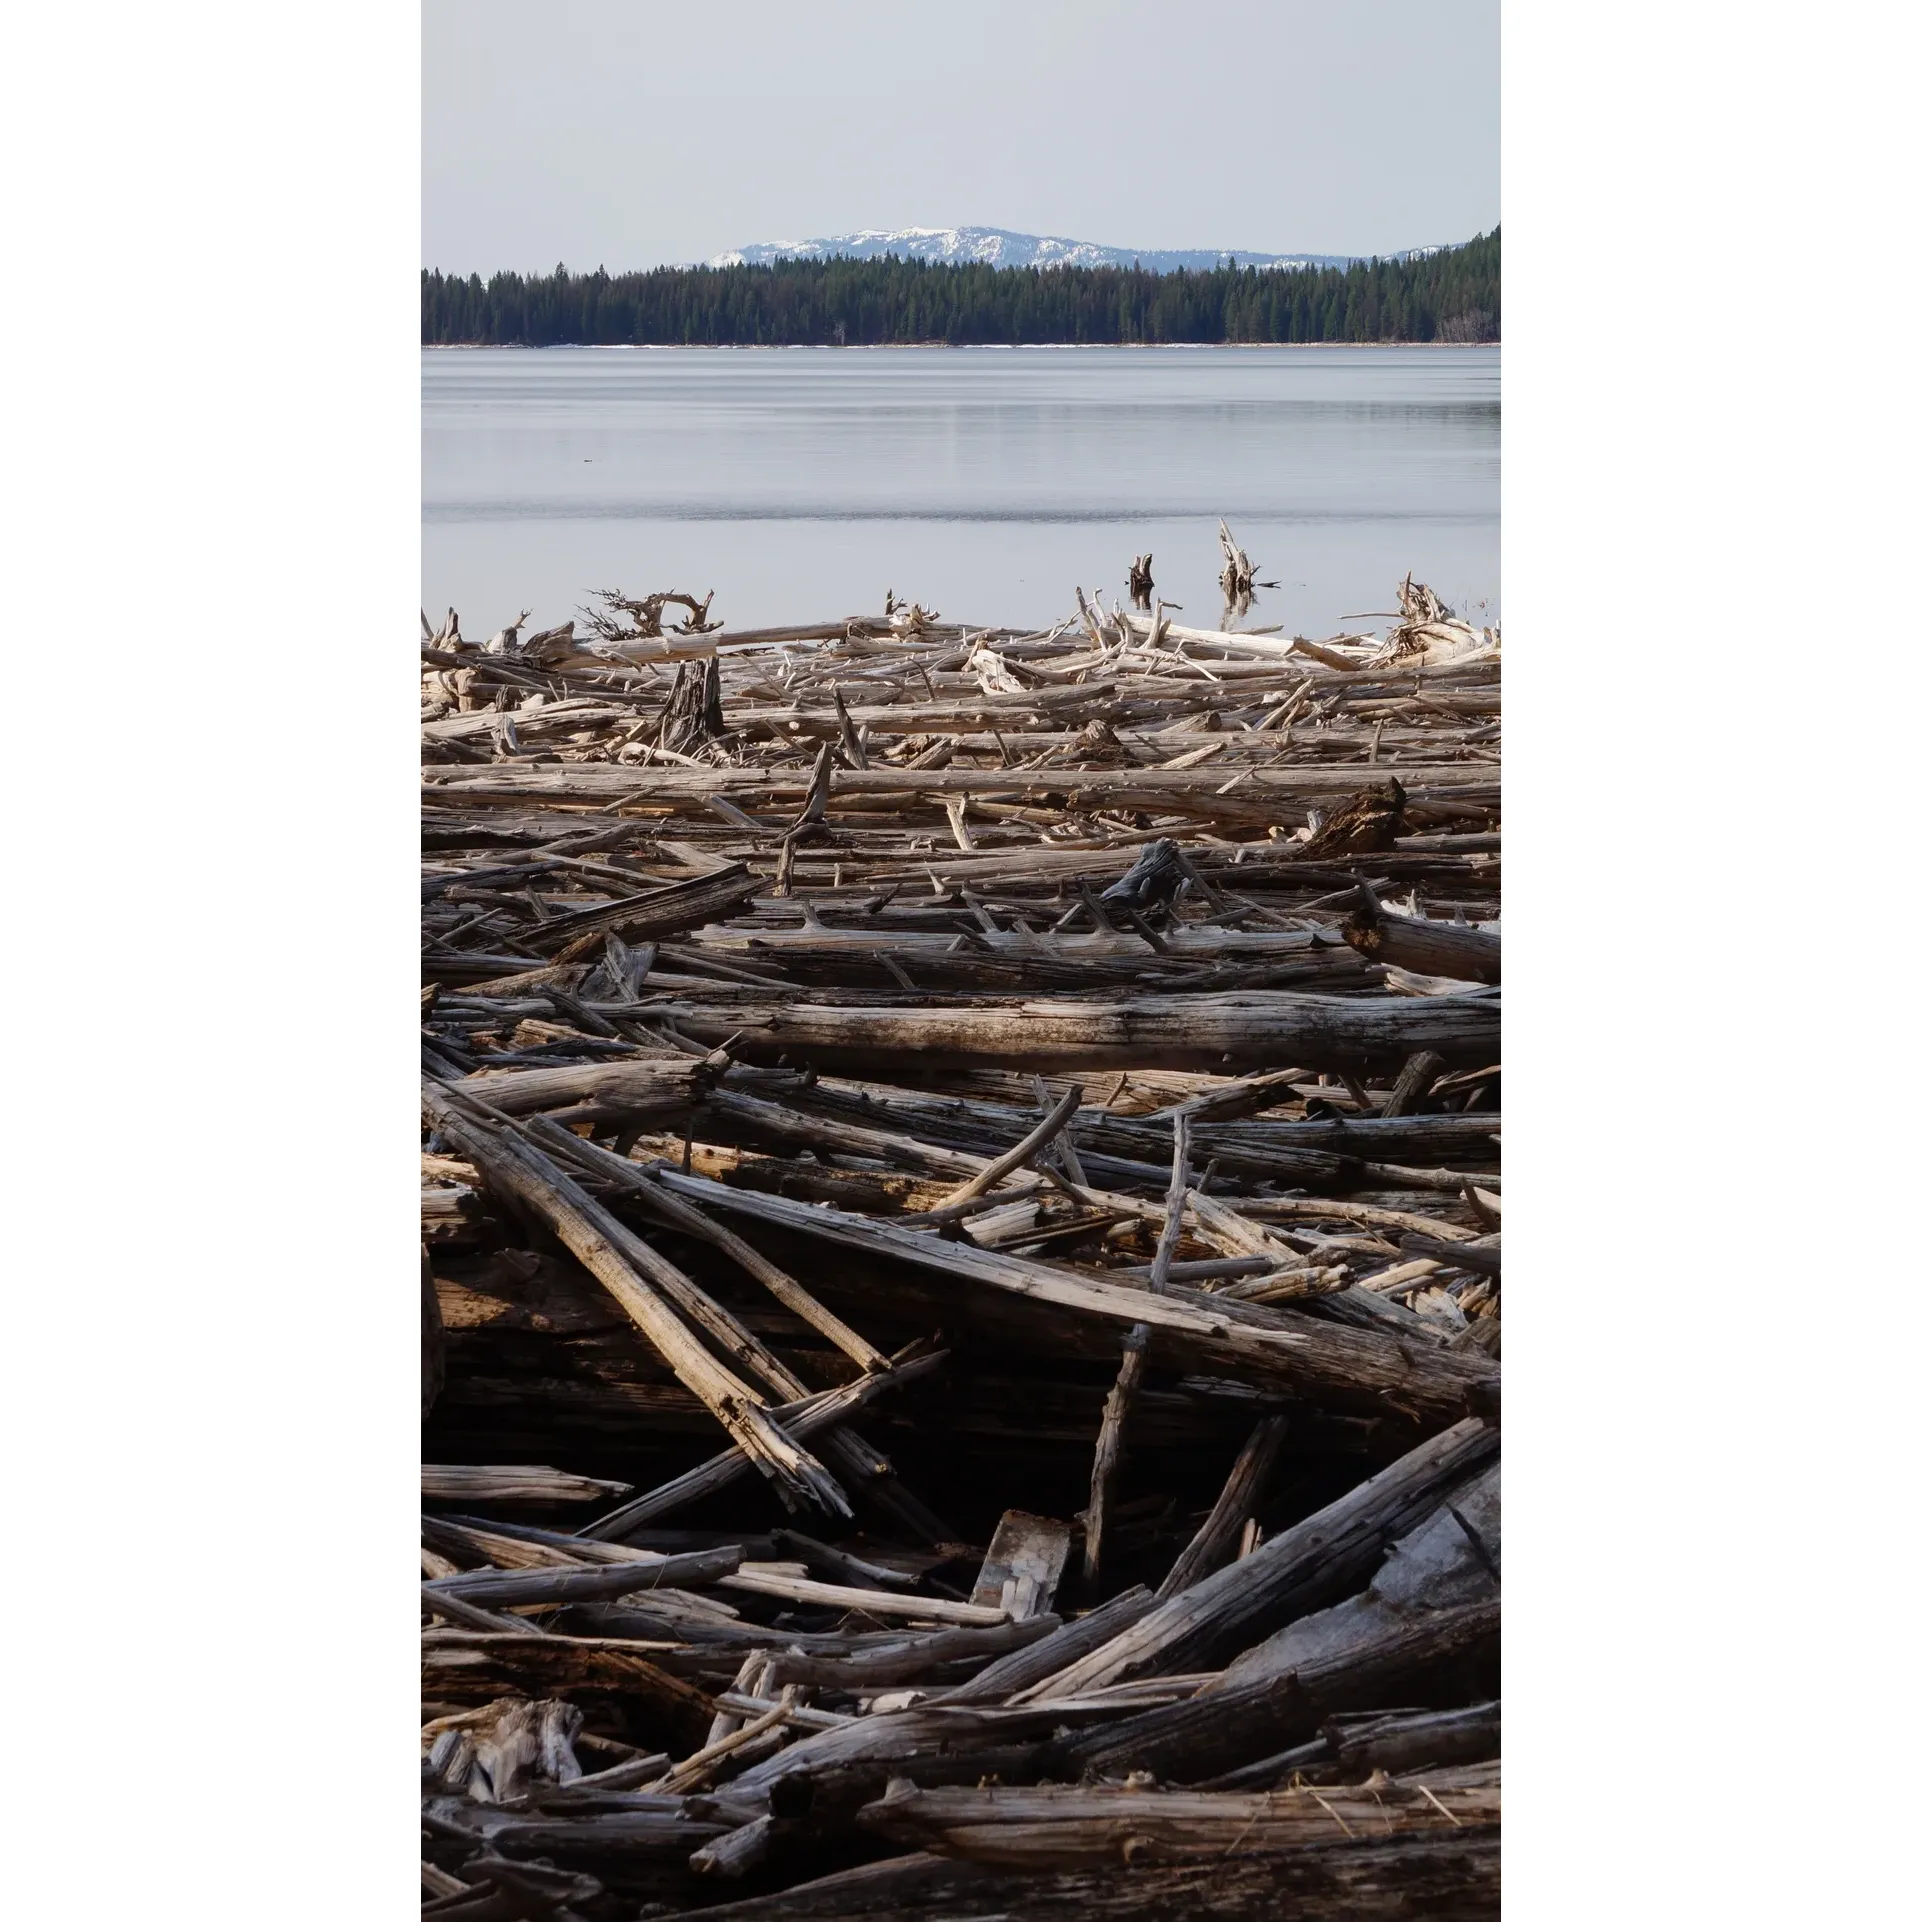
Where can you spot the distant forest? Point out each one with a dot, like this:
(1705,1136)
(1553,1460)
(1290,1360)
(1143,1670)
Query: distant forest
(1454,295)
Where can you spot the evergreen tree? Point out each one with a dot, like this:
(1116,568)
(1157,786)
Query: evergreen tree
(1453,295)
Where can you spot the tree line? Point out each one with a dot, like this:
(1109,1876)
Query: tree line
(1452,295)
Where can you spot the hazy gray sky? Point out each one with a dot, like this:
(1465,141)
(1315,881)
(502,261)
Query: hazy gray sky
(626,133)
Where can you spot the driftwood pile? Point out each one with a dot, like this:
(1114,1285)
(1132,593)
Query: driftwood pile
(961,1270)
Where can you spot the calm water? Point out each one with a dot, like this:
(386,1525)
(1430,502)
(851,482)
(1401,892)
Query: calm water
(800,484)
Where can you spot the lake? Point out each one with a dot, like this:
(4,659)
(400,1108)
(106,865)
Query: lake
(988,483)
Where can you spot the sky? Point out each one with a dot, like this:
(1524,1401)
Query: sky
(630,133)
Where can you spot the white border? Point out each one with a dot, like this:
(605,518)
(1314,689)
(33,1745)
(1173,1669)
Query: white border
(1706,535)
(211,479)
(212,482)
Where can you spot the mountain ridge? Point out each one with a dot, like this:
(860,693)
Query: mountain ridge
(1004,247)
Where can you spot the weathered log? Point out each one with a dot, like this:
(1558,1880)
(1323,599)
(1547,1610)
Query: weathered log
(494,1886)
(499,1752)
(1448,1560)
(650,1088)
(1422,947)
(1340,1367)
(1055,1827)
(1160,789)
(519,1588)
(1448,1655)
(651,915)
(1336,1548)
(802,1420)
(873,1744)
(1224,1728)
(630,1271)
(511,1545)
(1483,1254)
(871,1470)
(909,1658)
(465,1614)
(729,1857)
(830,1564)
(1213,1031)
(1237,572)
(1443,1874)
(639,1184)
(1023,1151)
(1240,1496)
(1134,1362)
(460,1482)
(601,1839)
(1033,1664)
(1353,1747)
(755,1580)
(1419,1073)
(693,714)
(450,1217)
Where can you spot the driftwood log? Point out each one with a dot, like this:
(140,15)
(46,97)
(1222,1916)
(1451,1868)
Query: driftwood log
(961,1276)
(1420,946)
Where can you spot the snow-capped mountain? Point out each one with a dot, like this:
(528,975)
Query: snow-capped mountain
(1000,248)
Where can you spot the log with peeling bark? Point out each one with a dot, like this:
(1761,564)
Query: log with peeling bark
(974,1153)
